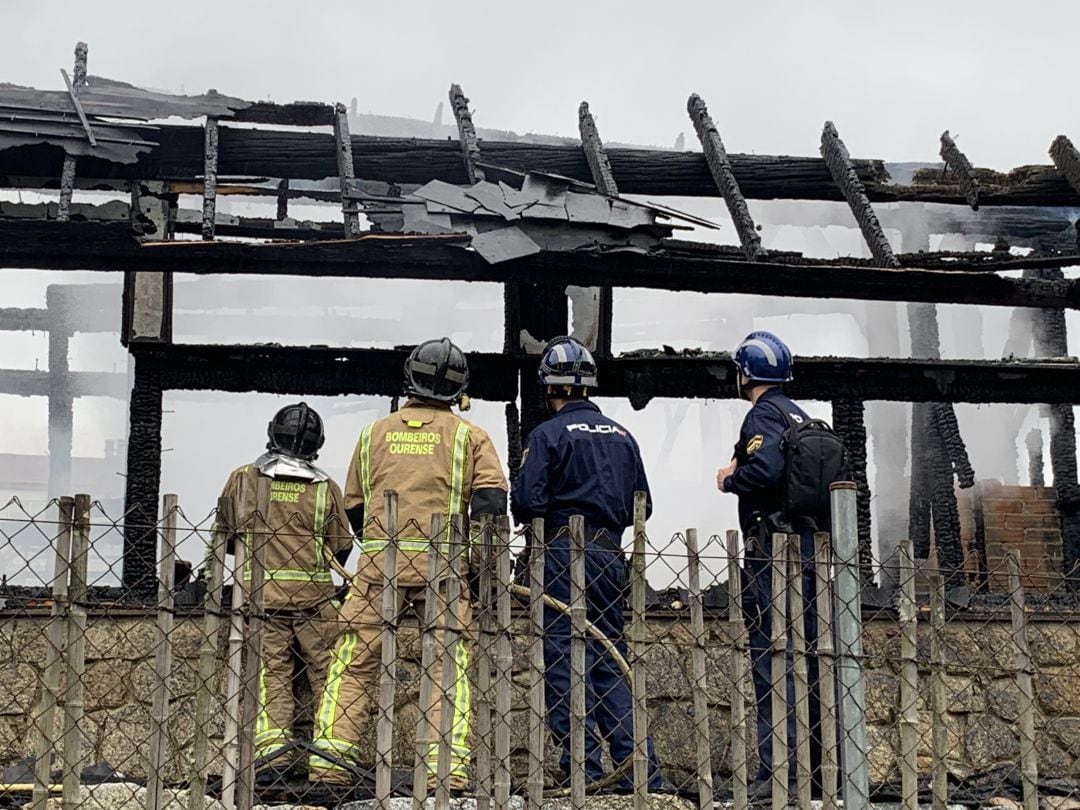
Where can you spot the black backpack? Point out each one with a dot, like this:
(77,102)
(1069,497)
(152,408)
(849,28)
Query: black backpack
(814,458)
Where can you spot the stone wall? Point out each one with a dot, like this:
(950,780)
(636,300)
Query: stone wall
(981,721)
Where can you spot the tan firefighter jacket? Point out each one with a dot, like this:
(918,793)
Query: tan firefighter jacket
(306,526)
(434,460)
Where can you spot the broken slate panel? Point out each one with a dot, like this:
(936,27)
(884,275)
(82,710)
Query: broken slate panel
(627,215)
(543,189)
(419,220)
(448,195)
(591,208)
(490,196)
(503,244)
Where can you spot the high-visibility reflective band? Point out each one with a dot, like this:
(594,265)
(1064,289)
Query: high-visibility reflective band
(457,470)
(365,464)
(328,706)
(293,575)
(320,525)
(337,749)
(374,545)
(459,728)
(262,719)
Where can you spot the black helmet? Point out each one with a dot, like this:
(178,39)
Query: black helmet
(566,361)
(297,431)
(437,370)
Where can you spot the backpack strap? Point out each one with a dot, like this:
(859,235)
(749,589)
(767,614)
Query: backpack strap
(783,412)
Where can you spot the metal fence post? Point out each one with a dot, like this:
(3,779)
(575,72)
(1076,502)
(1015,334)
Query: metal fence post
(76,654)
(799,668)
(849,637)
(162,656)
(826,668)
(384,733)
(451,636)
(204,694)
(57,635)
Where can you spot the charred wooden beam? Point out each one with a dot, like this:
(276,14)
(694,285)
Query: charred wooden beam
(850,425)
(210,174)
(67,172)
(595,154)
(143,482)
(604,180)
(640,377)
(308,370)
(310,155)
(1036,467)
(847,180)
(720,168)
(962,168)
(1066,160)
(1051,340)
(345,169)
(110,247)
(294,114)
(470,149)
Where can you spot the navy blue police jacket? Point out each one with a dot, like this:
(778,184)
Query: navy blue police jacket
(758,478)
(580,462)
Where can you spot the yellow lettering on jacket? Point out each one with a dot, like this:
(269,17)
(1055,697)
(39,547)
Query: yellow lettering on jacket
(285,497)
(406,449)
(416,437)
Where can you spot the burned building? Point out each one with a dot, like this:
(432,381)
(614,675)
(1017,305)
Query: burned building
(553,223)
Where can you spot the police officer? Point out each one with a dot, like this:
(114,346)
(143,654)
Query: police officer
(439,464)
(756,476)
(306,524)
(580,462)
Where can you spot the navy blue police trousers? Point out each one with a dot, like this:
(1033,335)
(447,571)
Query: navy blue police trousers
(608,705)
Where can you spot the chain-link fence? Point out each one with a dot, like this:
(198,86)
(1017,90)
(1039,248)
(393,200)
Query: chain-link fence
(298,664)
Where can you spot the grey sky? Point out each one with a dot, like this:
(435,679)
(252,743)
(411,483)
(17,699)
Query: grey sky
(892,76)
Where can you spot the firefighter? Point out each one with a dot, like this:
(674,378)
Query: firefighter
(439,464)
(580,462)
(757,475)
(306,525)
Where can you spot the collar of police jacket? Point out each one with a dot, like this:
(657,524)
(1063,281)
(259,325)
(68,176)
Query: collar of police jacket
(276,465)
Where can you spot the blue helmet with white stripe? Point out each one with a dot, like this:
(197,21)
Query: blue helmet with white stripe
(566,361)
(763,357)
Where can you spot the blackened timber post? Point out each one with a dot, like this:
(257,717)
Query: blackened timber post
(470,148)
(343,150)
(1051,340)
(720,168)
(600,169)
(850,426)
(67,176)
(1066,160)
(143,482)
(962,168)
(210,174)
(937,447)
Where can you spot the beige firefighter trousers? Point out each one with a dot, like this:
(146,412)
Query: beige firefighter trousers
(286,636)
(349,697)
